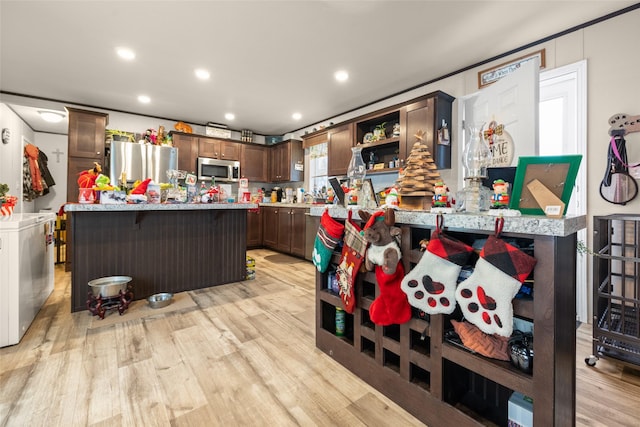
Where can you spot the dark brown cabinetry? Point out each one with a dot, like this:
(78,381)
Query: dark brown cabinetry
(442,383)
(340,142)
(86,145)
(286,162)
(254,228)
(428,115)
(254,162)
(187,146)
(284,229)
(218,149)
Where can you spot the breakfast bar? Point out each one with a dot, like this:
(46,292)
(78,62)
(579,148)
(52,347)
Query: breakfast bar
(163,247)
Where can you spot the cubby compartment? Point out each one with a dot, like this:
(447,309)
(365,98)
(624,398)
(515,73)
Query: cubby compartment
(370,124)
(368,347)
(479,397)
(419,342)
(368,290)
(419,376)
(329,321)
(366,320)
(391,360)
(392,331)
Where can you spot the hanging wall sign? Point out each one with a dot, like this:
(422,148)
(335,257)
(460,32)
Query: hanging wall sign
(500,143)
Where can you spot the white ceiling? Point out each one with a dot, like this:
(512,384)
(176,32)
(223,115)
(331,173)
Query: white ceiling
(268,59)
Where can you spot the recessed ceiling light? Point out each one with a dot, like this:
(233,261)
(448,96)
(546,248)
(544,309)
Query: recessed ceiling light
(52,116)
(229,116)
(296,116)
(341,76)
(126,53)
(202,74)
(144,99)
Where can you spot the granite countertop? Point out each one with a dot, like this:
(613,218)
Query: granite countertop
(97,207)
(289,205)
(525,224)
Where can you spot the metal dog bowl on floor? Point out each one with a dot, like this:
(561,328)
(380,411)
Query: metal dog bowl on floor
(160,300)
(109,286)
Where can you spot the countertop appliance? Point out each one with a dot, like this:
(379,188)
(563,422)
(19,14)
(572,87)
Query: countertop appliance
(141,161)
(26,271)
(218,169)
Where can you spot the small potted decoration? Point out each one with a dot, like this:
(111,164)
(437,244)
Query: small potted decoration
(7,202)
(380,132)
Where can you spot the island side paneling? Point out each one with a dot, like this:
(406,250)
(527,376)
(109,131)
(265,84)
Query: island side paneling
(163,251)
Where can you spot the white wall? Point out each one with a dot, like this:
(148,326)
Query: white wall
(11,156)
(55,147)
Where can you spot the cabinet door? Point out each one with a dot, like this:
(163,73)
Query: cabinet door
(254,162)
(298,231)
(277,168)
(229,150)
(209,147)
(75,165)
(284,230)
(270,227)
(187,151)
(254,229)
(87,134)
(339,150)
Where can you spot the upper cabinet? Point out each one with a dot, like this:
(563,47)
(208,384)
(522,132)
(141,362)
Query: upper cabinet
(340,141)
(87,133)
(428,117)
(218,149)
(86,145)
(254,162)
(387,135)
(187,146)
(287,162)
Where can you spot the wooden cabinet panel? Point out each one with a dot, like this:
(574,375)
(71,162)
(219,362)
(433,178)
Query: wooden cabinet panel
(187,146)
(254,164)
(218,149)
(283,160)
(86,133)
(254,228)
(427,115)
(339,150)
(269,227)
(284,230)
(298,228)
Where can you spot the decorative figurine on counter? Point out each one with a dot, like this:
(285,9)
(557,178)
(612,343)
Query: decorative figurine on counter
(441,201)
(331,197)
(441,196)
(391,200)
(500,198)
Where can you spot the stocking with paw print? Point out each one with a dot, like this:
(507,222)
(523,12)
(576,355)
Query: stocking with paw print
(485,297)
(431,285)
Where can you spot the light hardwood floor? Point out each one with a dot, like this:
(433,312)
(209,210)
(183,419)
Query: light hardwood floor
(244,355)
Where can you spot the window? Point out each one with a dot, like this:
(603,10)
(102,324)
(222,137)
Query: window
(318,167)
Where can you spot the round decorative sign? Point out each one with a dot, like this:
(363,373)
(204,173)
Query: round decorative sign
(500,143)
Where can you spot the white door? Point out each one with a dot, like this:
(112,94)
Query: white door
(563,100)
(511,101)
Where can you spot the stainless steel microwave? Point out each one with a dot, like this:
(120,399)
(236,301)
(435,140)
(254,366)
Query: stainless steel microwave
(221,170)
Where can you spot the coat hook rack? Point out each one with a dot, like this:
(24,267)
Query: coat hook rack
(622,124)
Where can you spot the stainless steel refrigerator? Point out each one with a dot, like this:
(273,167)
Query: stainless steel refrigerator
(141,161)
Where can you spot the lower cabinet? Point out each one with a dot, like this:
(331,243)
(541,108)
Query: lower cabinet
(423,369)
(254,228)
(284,229)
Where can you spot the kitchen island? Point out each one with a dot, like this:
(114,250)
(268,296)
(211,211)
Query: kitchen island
(163,247)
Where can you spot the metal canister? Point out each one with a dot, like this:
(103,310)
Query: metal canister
(340,322)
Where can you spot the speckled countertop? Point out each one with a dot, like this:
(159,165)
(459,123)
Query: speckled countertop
(525,224)
(288,205)
(97,207)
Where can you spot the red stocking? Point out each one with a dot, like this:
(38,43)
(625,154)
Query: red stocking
(391,307)
(353,252)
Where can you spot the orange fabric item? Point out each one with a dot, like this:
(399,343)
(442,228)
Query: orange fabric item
(31,151)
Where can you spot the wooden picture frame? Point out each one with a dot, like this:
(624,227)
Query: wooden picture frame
(493,74)
(556,173)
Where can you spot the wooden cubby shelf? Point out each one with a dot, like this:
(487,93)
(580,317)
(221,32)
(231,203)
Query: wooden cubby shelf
(441,382)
